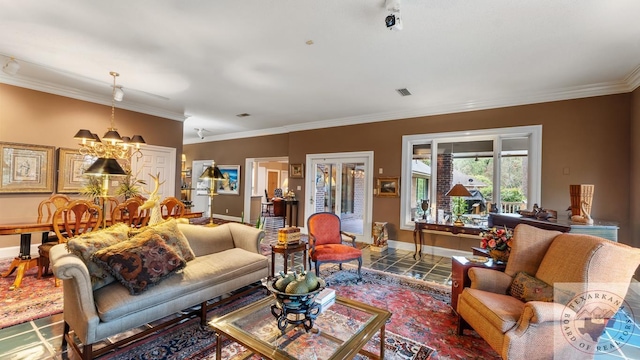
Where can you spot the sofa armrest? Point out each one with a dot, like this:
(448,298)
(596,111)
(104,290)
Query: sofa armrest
(540,312)
(489,280)
(246,237)
(79,307)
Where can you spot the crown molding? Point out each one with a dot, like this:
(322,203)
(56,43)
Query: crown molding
(633,79)
(87,96)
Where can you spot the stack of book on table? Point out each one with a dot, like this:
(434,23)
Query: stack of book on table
(326,298)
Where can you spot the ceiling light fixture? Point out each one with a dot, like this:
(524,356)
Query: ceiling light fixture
(11,67)
(114,146)
(118,94)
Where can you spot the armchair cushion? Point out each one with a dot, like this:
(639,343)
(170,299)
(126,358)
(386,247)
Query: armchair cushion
(501,311)
(335,252)
(528,288)
(141,262)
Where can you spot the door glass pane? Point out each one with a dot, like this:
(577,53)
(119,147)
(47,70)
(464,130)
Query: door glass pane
(514,162)
(340,189)
(352,197)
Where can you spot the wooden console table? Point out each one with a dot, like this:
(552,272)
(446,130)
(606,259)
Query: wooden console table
(435,228)
(603,229)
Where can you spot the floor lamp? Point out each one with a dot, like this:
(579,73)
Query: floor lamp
(458,190)
(105,167)
(214,174)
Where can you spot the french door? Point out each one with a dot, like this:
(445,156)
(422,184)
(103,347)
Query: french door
(341,183)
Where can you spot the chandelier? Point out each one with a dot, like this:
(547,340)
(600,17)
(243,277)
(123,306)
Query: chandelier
(112,145)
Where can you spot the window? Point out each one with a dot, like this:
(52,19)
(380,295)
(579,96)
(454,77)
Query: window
(436,162)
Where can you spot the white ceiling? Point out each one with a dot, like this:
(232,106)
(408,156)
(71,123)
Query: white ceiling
(207,61)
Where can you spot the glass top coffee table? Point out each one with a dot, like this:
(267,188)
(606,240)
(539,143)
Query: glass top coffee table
(339,332)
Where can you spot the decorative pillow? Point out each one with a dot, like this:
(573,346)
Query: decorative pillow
(86,244)
(528,288)
(172,235)
(141,262)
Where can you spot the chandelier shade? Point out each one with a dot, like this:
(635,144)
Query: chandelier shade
(105,166)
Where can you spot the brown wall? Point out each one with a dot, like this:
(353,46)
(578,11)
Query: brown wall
(589,136)
(634,188)
(33,117)
(234,152)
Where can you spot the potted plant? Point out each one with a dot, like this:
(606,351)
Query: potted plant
(130,186)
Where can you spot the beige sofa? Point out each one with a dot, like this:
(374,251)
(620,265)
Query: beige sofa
(227,259)
(590,276)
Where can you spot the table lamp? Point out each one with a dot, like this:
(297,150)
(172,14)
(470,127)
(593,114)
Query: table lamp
(458,190)
(105,167)
(214,174)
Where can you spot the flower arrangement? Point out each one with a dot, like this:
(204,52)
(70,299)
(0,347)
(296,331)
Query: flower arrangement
(498,242)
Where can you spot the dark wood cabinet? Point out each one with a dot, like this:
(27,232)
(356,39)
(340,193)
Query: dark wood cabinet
(460,266)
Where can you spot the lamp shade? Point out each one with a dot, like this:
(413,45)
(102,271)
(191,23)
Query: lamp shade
(83,134)
(105,166)
(458,190)
(212,172)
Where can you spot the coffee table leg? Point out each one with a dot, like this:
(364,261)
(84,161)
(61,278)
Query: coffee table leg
(382,340)
(218,346)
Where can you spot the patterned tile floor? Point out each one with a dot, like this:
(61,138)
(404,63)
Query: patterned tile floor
(40,339)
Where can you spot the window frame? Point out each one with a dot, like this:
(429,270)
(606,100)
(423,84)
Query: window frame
(533,133)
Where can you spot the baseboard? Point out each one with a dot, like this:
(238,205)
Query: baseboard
(427,249)
(14,251)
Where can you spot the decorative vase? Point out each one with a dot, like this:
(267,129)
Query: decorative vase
(499,255)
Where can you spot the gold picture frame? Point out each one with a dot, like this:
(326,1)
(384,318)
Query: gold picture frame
(388,186)
(26,168)
(71,167)
(296,171)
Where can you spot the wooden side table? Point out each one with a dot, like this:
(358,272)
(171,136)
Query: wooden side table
(286,251)
(460,266)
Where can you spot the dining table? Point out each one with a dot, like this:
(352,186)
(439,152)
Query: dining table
(23,262)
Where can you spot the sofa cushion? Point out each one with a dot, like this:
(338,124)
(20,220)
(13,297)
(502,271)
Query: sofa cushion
(140,262)
(114,302)
(528,288)
(85,245)
(169,231)
(206,240)
(501,311)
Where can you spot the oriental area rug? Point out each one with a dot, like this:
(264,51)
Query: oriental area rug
(422,326)
(34,299)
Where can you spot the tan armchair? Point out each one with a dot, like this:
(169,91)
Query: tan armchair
(578,264)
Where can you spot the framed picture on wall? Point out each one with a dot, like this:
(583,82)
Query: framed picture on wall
(230,185)
(26,168)
(71,166)
(296,171)
(388,186)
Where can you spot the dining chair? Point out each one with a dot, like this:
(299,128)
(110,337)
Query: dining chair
(172,207)
(46,209)
(76,218)
(129,212)
(326,241)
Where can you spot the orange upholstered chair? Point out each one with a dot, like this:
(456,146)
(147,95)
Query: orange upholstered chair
(326,242)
